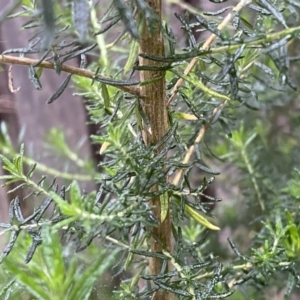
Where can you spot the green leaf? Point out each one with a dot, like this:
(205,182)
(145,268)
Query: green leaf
(84,282)
(60,90)
(250,139)
(39,72)
(71,273)
(34,78)
(128,261)
(49,22)
(206,169)
(151,81)
(105,95)
(8,165)
(6,290)
(33,287)
(184,116)
(78,53)
(164,206)
(274,12)
(63,205)
(138,116)
(75,194)
(198,83)
(19,164)
(198,217)
(81,16)
(10,181)
(53,258)
(133,52)
(125,13)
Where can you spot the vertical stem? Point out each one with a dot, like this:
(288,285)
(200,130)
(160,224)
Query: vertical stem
(154,106)
(253,178)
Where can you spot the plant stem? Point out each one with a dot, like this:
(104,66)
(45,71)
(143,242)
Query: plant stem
(7,59)
(259,42)
(180,82)
(99,37)
(190,151)
(206,46)
(46,169)
(153,103)
(253,178)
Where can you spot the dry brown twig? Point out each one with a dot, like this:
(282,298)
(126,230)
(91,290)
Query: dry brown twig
(13,60)
(11,81)
(206,46)
(180,82)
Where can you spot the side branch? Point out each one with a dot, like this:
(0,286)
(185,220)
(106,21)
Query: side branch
(190,151)
(7,59)
(180,82)
(206,46)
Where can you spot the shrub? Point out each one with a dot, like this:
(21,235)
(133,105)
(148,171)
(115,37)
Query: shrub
(166,115)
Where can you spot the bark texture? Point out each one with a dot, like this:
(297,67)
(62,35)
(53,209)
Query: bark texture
(155,108)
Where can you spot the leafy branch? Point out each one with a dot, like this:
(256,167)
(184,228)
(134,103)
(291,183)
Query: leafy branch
(9,151)
(205,47)
(217,110)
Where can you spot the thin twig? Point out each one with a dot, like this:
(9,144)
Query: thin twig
(206,46)
(257,44)
(198,140)
(11,81)
(100,38)
(202,132)
(253,178)
(46,169)
(47,223)
(7,59)
(179,83)
(190,8)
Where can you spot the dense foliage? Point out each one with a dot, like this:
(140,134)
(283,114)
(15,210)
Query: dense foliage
(231,99)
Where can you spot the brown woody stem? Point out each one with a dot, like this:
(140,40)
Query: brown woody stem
(153,103)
